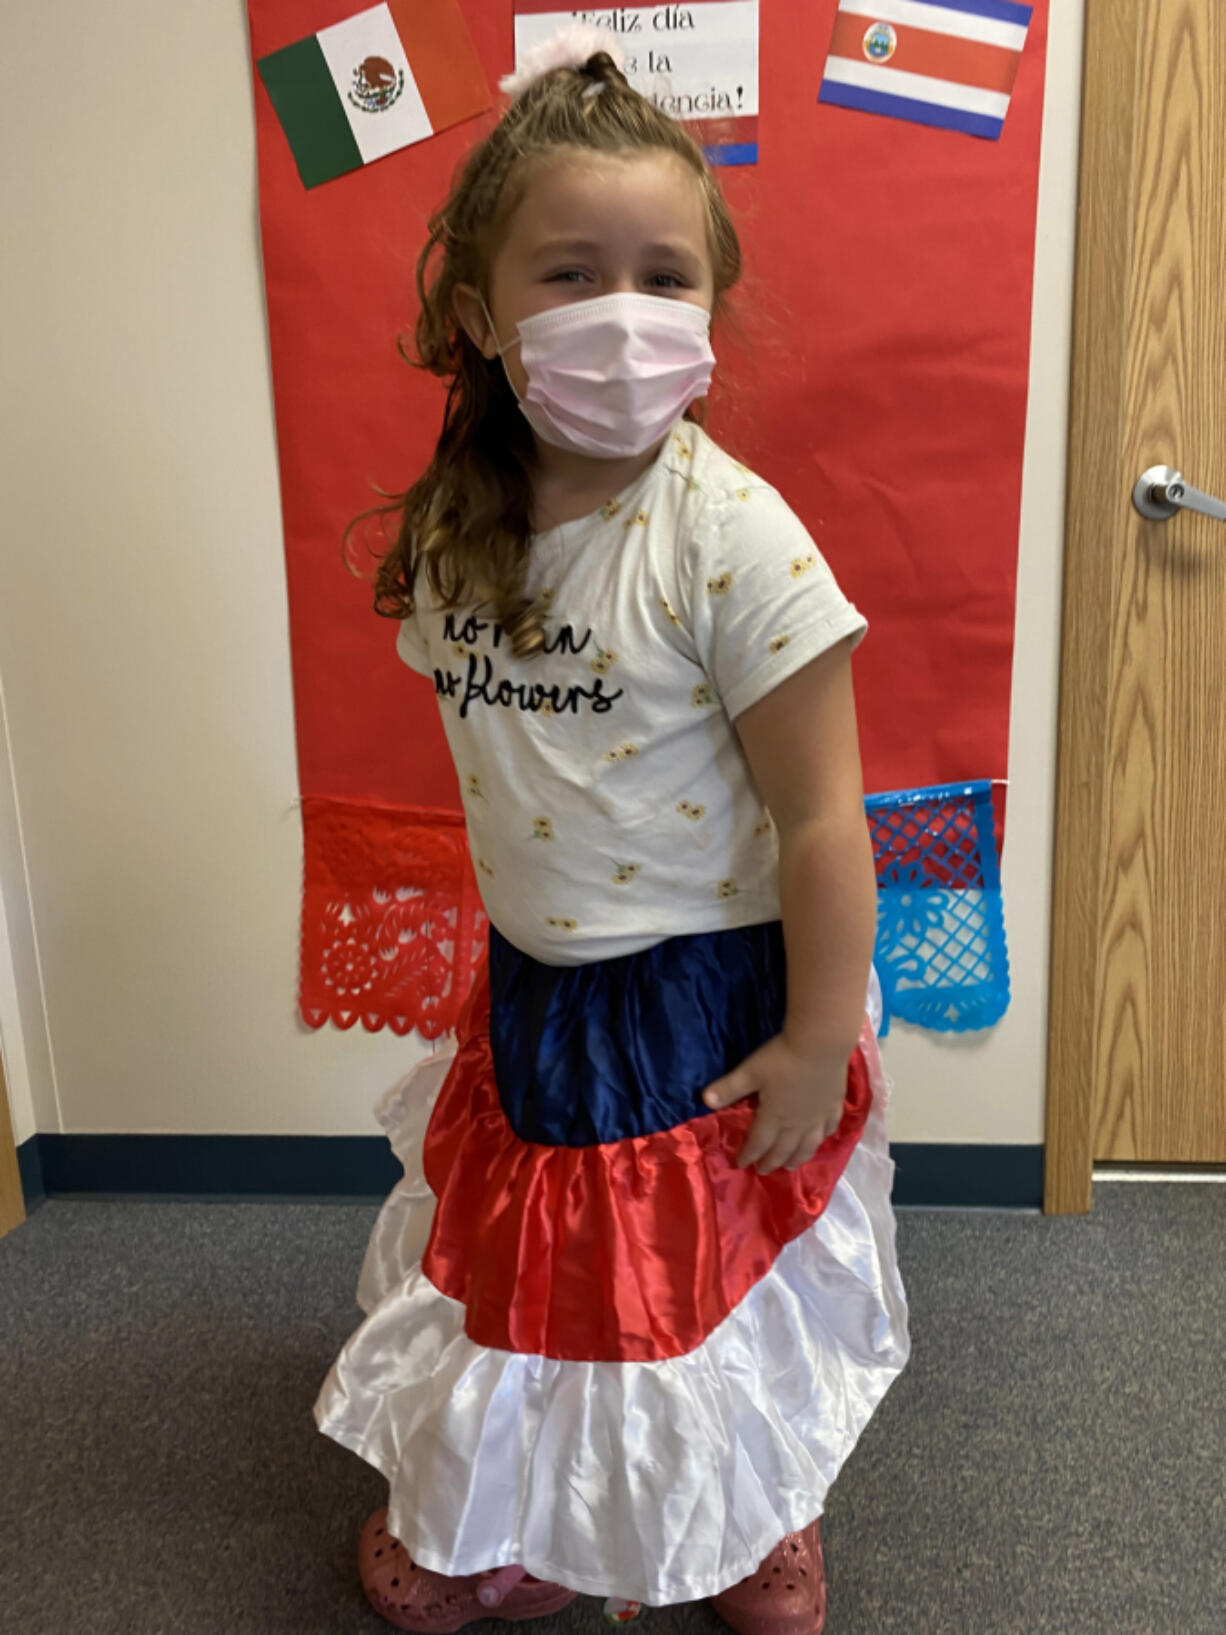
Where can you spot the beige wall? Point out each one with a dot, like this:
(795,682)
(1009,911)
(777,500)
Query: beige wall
(149,862)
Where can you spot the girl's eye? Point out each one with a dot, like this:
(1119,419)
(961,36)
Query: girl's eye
(567,275)
(667,281)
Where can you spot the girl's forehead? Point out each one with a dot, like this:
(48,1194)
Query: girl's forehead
(586,194)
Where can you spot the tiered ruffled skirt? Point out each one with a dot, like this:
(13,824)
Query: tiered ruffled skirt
(593,1346)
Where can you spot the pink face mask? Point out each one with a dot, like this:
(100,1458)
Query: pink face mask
(608,377)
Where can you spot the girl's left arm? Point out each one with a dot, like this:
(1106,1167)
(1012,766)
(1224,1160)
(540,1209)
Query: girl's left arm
(802,746)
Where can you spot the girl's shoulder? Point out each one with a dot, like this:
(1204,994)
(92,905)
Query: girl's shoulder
(715,476)
(724,499)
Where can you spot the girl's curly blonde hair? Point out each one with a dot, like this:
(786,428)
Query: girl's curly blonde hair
(466,523)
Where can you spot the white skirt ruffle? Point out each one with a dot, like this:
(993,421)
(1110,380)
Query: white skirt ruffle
(658,1482)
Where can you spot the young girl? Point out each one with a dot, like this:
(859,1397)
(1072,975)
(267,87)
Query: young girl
(636,1297)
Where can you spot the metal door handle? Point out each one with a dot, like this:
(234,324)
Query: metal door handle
(1161,491)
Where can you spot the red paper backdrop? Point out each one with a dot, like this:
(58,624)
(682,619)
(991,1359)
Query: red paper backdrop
(880,383)
(875,371)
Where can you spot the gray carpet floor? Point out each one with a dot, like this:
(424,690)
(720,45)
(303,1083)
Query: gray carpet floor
(1053,1459)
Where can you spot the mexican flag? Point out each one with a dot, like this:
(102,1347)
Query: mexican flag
(374,83)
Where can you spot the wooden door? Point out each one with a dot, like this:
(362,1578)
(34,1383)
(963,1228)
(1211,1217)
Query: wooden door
(1137,1053)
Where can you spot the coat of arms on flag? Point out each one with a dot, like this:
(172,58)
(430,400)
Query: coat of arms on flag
(949,63)
(376,82)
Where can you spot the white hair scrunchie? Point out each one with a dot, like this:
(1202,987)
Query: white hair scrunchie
(569,47)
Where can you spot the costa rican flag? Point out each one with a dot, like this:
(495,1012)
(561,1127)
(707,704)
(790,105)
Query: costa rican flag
(949,63)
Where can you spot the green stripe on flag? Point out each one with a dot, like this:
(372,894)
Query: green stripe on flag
(310,112)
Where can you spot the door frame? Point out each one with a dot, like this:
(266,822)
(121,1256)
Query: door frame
(12,1201)
(1095,509)
(14,1070)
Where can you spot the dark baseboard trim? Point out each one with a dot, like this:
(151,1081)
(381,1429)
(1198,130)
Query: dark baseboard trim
(30,1168)
(929,1175)
(942,1175)
(320,1166)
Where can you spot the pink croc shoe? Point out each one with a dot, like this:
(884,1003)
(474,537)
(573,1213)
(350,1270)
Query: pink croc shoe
(414,1598)
(787,1594)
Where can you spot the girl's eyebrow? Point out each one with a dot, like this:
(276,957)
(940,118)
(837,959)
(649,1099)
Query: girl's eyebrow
(587,246)
(671,252)
(567,246)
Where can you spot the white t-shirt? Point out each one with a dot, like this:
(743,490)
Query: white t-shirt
(608,799)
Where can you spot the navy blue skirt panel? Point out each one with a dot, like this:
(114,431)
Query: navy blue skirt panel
(588,1054)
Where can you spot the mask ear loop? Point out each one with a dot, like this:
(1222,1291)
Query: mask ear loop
(502,350)
(489,320)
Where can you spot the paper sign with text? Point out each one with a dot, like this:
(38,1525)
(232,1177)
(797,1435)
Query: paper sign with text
(697,62)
